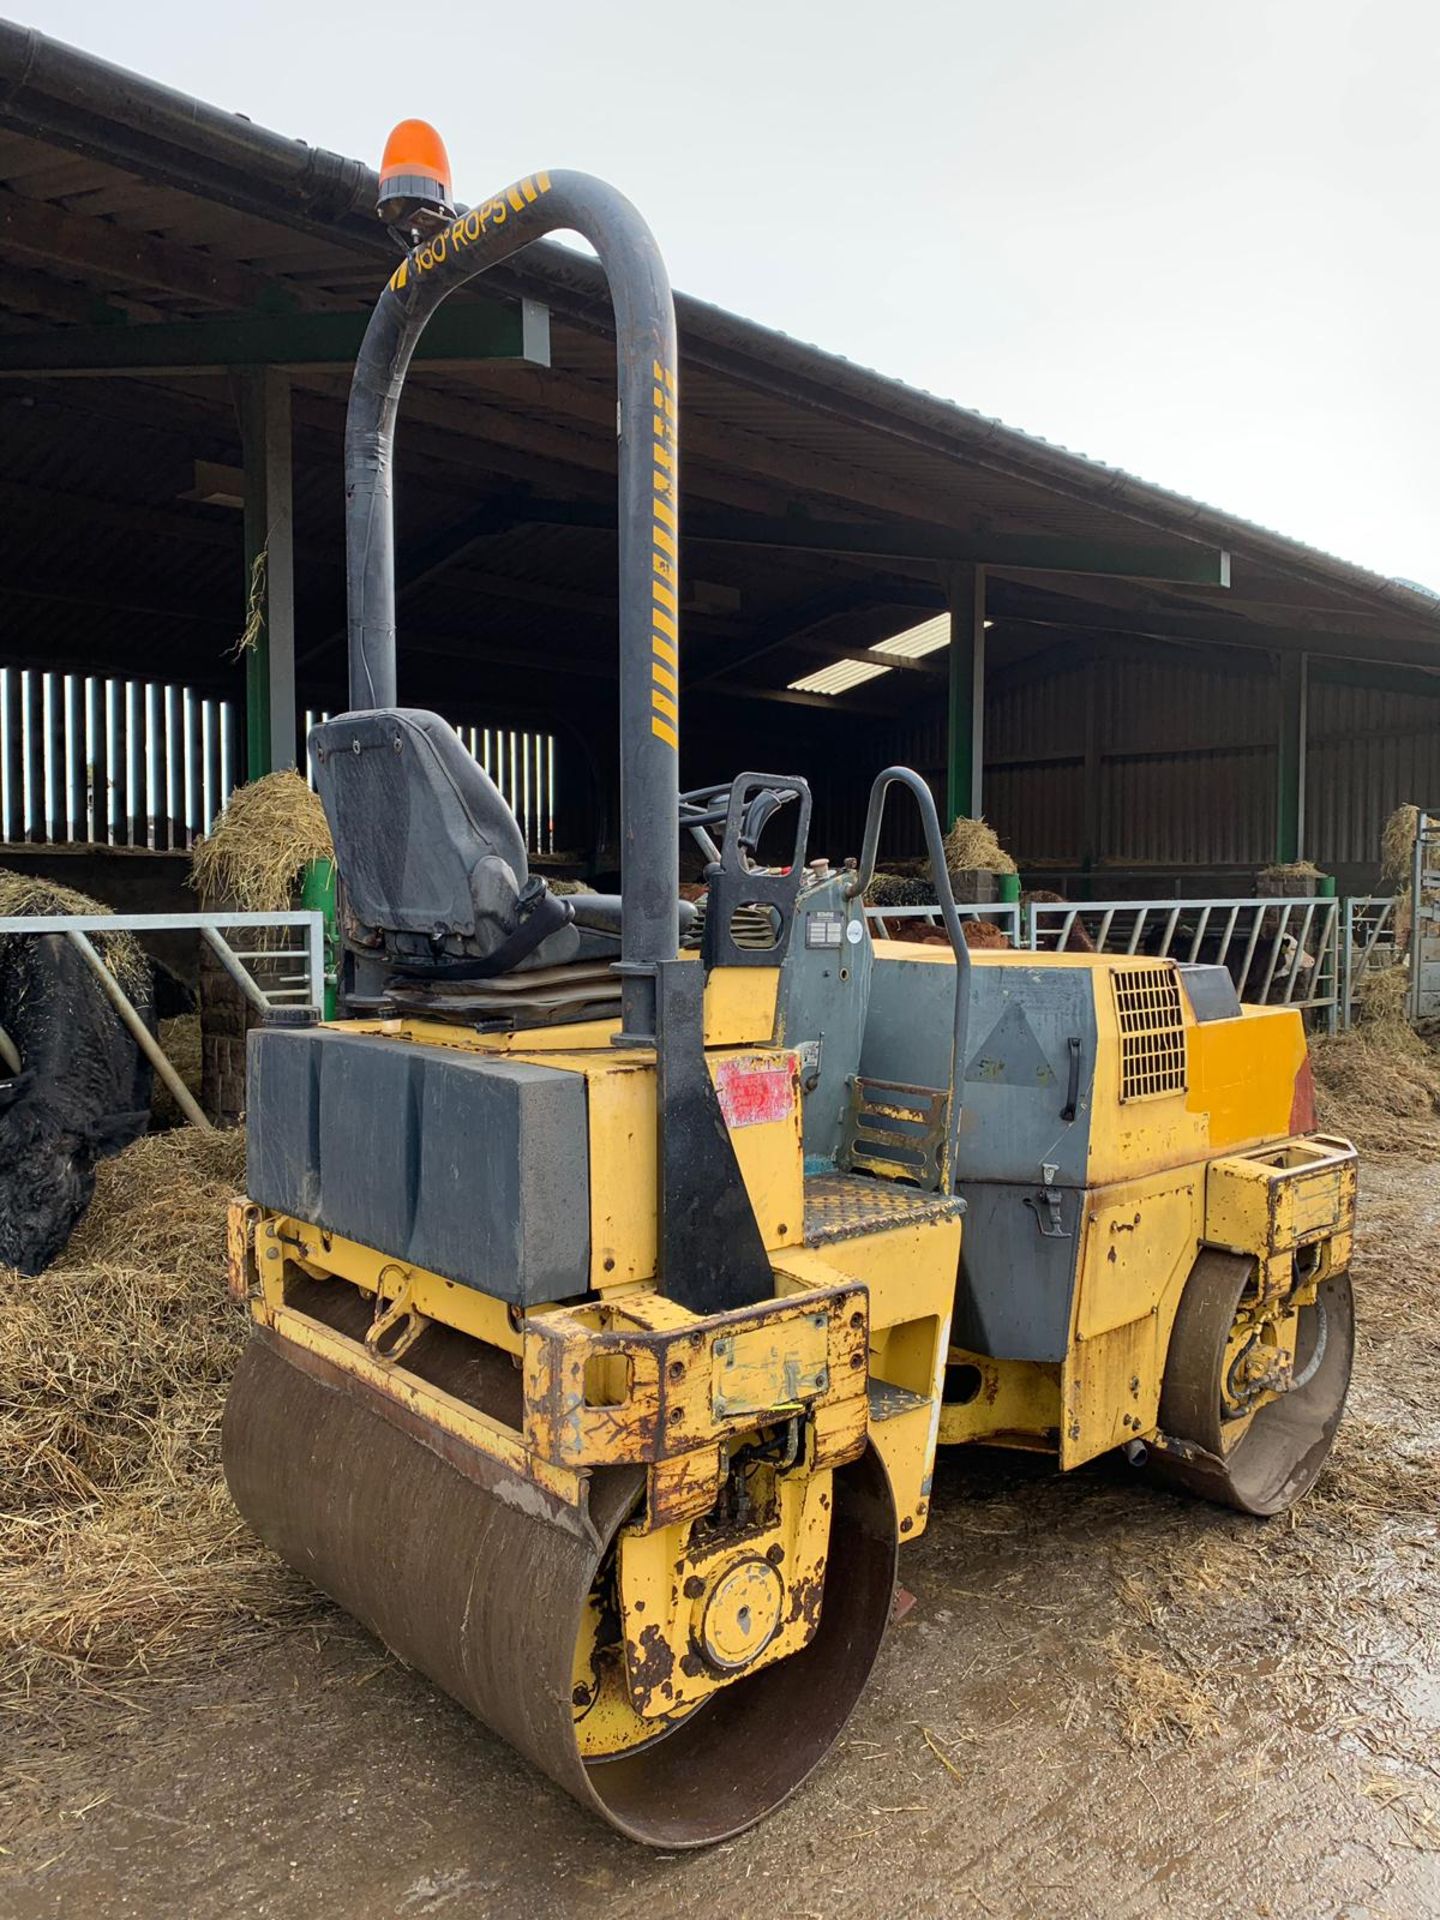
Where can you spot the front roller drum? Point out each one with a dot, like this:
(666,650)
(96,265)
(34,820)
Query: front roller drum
(480,1580)
(1264,1461)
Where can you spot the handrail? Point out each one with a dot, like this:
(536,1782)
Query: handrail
(940,874)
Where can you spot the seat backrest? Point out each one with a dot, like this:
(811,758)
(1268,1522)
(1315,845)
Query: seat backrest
(431,857)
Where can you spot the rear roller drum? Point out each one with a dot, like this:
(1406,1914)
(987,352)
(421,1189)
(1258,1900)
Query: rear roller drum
(502,1597)
(1253,1403)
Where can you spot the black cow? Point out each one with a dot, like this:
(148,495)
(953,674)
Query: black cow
(83,1092)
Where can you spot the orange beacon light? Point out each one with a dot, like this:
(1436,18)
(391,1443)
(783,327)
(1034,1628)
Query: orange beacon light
(414,175)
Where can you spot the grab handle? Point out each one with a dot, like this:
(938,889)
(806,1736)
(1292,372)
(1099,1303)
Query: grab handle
(945,896)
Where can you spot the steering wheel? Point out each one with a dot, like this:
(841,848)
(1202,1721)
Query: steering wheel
(706,807)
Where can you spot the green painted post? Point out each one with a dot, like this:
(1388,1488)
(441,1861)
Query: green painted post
(263,398)
(249,400)
(1290,758)
(965,736)
(317,895)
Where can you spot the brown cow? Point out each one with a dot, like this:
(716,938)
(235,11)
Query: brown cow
(1077,940)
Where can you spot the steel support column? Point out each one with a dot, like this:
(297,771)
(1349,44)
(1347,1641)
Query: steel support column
(1293,742)
(264,401)
(965,741)
(1091,801)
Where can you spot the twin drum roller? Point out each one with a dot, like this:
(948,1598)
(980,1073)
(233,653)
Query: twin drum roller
(617,1267)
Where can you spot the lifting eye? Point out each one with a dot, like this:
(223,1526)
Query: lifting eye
(962,1384)
(608,1379)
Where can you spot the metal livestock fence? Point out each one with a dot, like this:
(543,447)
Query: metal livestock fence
(1368,945)
(1004,914)
(288,969)
(1279,952)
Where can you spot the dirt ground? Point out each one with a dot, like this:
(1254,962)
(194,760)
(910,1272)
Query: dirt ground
(1105,1701)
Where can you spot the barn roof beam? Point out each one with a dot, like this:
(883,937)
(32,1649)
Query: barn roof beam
(133,262)
(461,333)
(1231,633)
(1184,562)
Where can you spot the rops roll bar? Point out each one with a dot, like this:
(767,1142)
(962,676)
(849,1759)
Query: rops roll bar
(648,514)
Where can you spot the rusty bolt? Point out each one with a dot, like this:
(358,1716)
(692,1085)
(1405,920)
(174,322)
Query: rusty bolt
(694,1587)
(857,1359)
(775,1554)
(857,1320)
(677,1369)
(906,1524)
(677,1414)
(609,1263)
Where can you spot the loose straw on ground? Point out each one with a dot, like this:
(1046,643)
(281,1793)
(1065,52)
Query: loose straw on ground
(122,1560)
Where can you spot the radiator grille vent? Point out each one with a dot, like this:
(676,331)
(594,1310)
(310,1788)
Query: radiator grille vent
(1152,1032)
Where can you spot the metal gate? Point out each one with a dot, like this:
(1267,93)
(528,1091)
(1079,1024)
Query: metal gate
(1425,919)
(1278,952)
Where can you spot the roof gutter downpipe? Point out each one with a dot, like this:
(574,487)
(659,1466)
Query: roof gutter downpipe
(649,525)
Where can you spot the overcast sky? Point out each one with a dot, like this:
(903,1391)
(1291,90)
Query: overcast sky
(1195,240)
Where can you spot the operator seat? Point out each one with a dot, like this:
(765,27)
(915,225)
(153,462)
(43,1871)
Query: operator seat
(433,861)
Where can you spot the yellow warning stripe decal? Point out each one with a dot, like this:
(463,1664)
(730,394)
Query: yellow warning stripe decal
(665,603)
(469,227)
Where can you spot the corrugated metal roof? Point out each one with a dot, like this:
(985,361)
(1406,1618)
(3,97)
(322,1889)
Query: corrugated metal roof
(772,427)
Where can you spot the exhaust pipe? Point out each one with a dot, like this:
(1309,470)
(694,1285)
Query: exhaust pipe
(649,518)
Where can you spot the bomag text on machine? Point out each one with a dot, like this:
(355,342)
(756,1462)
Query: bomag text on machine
(618,1265)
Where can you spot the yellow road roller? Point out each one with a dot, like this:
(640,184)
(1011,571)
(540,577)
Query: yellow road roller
(618,1264)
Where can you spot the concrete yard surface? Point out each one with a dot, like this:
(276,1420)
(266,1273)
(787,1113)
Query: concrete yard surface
(1105,1701)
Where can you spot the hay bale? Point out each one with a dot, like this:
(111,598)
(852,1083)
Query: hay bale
(264,838)
(1292,870)
(27,895)
(121,1558)
(1397,846)
(973,843)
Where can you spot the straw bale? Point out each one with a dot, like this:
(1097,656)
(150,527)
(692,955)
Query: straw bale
(973,843)
(27,895)
(253,856)
(1397,845)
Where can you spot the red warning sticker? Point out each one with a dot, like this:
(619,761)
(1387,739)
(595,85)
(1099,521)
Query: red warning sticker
(753,1093)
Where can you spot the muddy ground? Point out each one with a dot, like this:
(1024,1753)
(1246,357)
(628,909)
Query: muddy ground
(1105,1701)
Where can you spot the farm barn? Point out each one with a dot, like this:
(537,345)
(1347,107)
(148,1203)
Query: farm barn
(1150,702)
